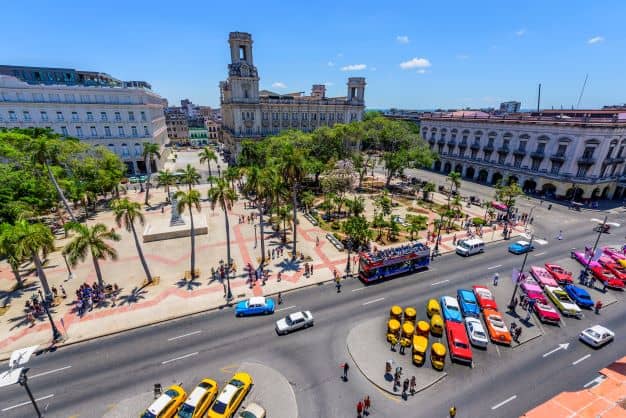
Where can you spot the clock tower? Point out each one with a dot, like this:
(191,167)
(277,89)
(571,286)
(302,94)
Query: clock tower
(243,79)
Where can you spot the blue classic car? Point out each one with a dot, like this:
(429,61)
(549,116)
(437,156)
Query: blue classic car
(521,247)
(255,306)
(468,303)
(450,309)
(579,295)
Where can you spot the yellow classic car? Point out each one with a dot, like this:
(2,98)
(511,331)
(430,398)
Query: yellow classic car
(436,325)
(438,356)
(166,405)
(420,345)
(199,400)
(231,396)
(433,307)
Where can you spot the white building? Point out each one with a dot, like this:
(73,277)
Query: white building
(121,118)
(553,152)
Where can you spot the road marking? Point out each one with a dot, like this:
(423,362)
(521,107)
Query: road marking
(498,350)
(180,358)
(583,358)
(49,372)
(441,282)
(494,267)
(359,289)
(594,382)
(27,403)
(373,301)
(563,346)
(184,335)
(539,254)
(496,406)
(284,309)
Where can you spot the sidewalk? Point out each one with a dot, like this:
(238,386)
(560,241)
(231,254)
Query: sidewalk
(172,297)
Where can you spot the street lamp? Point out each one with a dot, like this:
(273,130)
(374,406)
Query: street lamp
(436,250)
(229,294)
(521,271)
(56,335)
(530,215)
(17,374)
(254,235)
(349,246)
(601,226)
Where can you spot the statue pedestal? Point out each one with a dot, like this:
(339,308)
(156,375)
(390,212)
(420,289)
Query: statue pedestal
(160,229)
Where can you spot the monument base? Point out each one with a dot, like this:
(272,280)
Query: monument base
(160,229)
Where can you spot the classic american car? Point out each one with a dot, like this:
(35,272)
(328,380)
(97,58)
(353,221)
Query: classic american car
(498,332)
(468,303)
(616,254)
(532,290)
(579,295)
(614,267)
(582,258)
(485,298)
(606,276)
(563,302)
(561,275)
(293,322)
(546,313)
(542,276)
(450,309)
(521,247)
(257,305)
(199,400)
(231,396)
(596,336)
(476,332)
(167,404)
(458,342)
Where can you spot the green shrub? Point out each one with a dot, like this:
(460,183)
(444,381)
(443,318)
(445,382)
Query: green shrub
(478,221)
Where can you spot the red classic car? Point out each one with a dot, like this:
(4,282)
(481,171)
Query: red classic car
(458,342)
(546,313)
(485,298)
(561,275)
(614,267)
(606,276)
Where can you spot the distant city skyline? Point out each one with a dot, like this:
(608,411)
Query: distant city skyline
(414,56)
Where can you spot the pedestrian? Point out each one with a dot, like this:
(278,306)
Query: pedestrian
(598,306)
(452,411)
(495,279)
(338,284)
(317,241)
(528,312)
(518,334)
(359,409)
(279,276)
(311,269)
(63,293)
(604,286)
(560,235)
(280,297)
(412,385)
(405,387)
(454,239)
(346,367)
(162,209)
(367,404)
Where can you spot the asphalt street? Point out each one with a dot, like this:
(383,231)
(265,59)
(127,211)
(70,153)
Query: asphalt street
(86,380)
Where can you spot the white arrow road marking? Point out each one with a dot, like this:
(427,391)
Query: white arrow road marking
(27,403)
(373,301)
(180,358)
(507,400)
(441,282)
(49,372)
(184,335)
(494,267)
(563,346)
(583,358)
(539,254)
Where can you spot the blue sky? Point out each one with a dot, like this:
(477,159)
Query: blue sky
(455,54)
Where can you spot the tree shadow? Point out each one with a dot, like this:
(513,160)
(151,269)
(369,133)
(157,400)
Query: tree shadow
(188,284)
(289,265)
(7,297)
(22,319)
(134,296)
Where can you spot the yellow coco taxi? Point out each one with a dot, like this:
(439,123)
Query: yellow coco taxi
(436,325)
(432,308)
(420,345)
(231,396)
(167,404)
(199,400)
(438,356)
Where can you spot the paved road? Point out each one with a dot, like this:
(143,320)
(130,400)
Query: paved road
(87,379)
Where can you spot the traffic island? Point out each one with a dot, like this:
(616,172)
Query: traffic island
(370,351)
(271,390)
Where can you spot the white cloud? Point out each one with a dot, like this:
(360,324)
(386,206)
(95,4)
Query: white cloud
(331,64)
(402,39)
(520,32)
(462,56)
(422,71)
(415,63)
(279,85)
(328,83)
(595,40)
(354,67)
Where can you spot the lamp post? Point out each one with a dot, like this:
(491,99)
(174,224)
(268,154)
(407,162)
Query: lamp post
(436,250)
(56,335)
(23,381)
(521,271)
(219,174)
(530,215)
(254,235)
(349,246)
(229,294)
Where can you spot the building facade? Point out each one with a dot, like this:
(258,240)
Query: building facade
(118,117)
(249,113)
(510,107)
(579,155)
(177,125)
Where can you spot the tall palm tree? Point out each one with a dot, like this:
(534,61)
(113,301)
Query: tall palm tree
(223,195)
(166,179)
(43,150)
(126,214)
(34,241)
(231,174)
(189,200)
(91,239)
(189,176)
(9,238)
(207,155)
(293,169)
(258,188)
(150,150)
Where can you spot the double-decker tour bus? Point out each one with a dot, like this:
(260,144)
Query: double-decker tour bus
(383,264)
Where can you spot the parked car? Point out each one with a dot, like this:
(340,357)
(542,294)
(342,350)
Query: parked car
(546,313)
(485,298)
(433,308)
(579,295)
(542,276)
(614,267)
(167,404)
(420,346)
(596,336)
(521,247)
(468,303)
(582,257)
(257,305)
(605,275)
(616,254)
(458,342)
(498,332)
(476,332)
(293,322)
(231,396)
(561,275)
(563,302)
(199,400)
(436,325)
(253,410)
(532,290)
(450,309)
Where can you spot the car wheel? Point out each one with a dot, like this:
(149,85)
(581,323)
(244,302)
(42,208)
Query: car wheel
(238,315)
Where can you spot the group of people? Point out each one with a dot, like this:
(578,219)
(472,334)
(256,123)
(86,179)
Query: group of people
(249,219)
(88,296)
(363,407)
(378,255)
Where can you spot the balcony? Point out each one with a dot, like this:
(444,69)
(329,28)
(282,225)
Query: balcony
(475,146)
(519,152)
(537,154)
(586,160)
(488,148)
(503,150)
(441,141)
(619,160)
(463,145)
(431,141)
(452,142)
(557,157)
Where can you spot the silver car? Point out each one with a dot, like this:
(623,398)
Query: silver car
(596,336)
(293,322)
(476,332)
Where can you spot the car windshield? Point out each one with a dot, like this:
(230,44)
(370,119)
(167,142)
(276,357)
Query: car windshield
(236,382)
(468,299)
(452,307)
(288,321)
(562,297)
(479,334)
(460,344)
(593,333)
(171,393)
(484,294)
(496,322)
(219,407)
(247,414)
(463,244)
(186,411)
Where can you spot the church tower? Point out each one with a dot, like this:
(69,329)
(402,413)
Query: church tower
(243,78)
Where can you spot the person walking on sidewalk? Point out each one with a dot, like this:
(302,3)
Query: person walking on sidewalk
(338,284)
(366,405)
(412,385)
(359,409)
(496,277)
(346,367)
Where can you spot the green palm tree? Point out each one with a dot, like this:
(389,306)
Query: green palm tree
(34,241)
(307,198)
(9,238)
(207,155)
(283,216)
(223,195)
(427,190)
(231,174)
(91,239)
(454,179)
(166,179)
(258,187)
(293,169)
(44,150)
(150,150)
(189,176)
(189,200)
(126,214)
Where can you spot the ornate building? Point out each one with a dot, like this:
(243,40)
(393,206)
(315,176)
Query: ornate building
(249,113)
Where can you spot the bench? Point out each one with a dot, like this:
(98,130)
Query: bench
(338,245)
(310,218)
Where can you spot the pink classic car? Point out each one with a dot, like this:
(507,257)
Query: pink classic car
(546,313)
(583,258)
(532,290)
(542,276)
(616,254)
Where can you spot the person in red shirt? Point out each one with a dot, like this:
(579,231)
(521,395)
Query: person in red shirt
(359,409)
